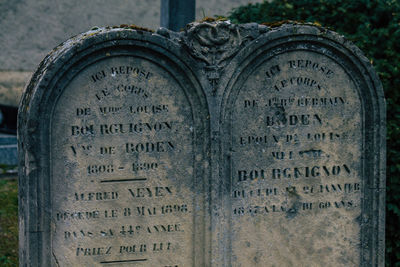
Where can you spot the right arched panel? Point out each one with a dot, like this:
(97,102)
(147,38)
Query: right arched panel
(300,177)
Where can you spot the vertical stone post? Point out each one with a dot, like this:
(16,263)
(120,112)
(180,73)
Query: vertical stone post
(176,14)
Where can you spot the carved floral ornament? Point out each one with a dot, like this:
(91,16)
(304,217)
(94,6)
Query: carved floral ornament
(219,134)
(213,42)
(216,42)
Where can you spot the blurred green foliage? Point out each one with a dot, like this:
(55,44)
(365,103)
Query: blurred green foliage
(374,26)
(8,223)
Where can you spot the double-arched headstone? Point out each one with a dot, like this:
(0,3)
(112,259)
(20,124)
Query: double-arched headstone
(222,145)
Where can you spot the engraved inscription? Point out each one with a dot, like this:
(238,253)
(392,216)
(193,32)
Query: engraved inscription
(122,168)
(296,164)
(219,145)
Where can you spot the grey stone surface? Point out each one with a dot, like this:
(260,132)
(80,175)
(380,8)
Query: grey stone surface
(224,145)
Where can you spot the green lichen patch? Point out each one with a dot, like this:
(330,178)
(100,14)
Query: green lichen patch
(214,19)
(133,27)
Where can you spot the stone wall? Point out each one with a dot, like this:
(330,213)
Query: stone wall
(30,29)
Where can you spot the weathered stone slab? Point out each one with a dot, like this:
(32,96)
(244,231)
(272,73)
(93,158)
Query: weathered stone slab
(224,145)
(122,156)
(302,120)
(296,163)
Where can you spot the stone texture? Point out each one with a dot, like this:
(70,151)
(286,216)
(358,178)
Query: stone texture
(223,145)
(135,148)
(296,164)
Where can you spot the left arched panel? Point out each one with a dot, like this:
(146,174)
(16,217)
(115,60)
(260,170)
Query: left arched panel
(113,133)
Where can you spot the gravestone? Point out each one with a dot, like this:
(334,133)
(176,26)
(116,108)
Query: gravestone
(222,145)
